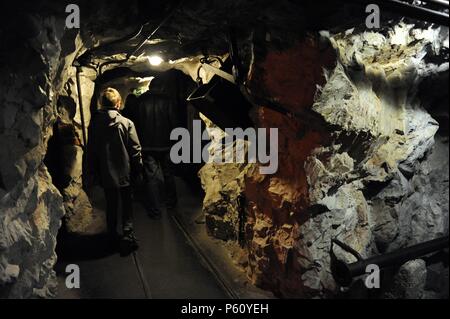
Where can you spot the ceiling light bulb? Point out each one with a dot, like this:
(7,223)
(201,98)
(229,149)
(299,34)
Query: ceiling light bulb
(155,60)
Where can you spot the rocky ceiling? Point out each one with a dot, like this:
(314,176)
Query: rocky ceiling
(193,27)
(177,29)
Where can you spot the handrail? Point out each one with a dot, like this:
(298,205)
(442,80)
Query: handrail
(344,273)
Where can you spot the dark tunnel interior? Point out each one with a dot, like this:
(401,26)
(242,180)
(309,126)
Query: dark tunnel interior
(224,149)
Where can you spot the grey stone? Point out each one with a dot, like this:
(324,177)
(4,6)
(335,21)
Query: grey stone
(410,281)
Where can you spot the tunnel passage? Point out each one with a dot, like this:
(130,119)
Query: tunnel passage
(363,140)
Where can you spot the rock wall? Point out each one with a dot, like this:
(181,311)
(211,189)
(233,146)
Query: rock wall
(278,203)
(224,204)
(66,150)
(37,90)
(376,181)
(361,158)
(30,205)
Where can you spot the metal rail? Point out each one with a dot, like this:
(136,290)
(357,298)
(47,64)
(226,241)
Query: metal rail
(212,268)
(142,278)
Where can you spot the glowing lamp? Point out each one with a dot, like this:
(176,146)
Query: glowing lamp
(155,60)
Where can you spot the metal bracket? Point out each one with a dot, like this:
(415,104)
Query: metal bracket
(219,72)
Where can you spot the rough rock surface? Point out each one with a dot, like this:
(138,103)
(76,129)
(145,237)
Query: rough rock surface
(223,184)
(27,242)
(361,160)
(30,206)
(38,51)
(410,281)
(66,151)
(383,189)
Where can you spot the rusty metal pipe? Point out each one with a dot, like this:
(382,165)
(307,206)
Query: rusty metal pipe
(344,273)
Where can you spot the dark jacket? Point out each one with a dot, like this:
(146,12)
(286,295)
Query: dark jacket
(114,152)
(155,117)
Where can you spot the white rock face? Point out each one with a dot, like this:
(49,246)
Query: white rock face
(27,242)
(388,195)
(224,186)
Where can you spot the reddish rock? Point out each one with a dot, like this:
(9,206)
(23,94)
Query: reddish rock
(277,203)
(290,77)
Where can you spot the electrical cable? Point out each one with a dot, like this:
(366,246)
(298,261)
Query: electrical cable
(141,44)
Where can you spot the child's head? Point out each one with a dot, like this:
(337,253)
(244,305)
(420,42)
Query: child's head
(111,99)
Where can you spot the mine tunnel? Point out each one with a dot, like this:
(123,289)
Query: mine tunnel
(273,149)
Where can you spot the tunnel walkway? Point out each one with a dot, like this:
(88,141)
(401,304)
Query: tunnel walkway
(165,266)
